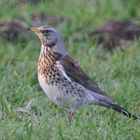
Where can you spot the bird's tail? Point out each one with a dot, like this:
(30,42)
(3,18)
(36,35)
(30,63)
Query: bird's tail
(121,110)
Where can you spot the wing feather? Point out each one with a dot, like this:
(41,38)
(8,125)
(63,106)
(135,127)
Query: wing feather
(74,71)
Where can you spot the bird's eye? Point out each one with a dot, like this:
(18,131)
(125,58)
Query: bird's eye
(45,31)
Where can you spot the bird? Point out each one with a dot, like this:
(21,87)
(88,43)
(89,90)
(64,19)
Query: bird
(63,80)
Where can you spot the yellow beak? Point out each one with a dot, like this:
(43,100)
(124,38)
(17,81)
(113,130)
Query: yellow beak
(36,30)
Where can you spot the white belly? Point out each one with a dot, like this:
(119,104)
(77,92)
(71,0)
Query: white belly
(53,92)
(61,98)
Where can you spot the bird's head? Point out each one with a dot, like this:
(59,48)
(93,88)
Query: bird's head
(50,38)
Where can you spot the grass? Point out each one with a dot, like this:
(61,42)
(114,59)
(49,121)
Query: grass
(118,74)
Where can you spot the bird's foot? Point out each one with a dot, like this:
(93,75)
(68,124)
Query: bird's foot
(70,115)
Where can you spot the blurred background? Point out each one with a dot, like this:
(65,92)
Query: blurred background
(102,35)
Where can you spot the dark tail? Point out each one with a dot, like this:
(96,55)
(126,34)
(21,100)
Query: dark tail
(121,110)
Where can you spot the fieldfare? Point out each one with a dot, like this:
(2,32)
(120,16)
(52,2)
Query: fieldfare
(62,79)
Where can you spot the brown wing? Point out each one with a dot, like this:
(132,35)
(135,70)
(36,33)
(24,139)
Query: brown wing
(74,71)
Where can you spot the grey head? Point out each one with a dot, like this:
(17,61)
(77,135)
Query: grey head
(50,37)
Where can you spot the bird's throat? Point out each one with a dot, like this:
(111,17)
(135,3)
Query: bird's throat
(47,59)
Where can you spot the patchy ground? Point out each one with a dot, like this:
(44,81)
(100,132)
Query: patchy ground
(117,73)
(116,33)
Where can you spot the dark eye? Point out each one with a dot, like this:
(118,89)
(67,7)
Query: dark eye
(46,31)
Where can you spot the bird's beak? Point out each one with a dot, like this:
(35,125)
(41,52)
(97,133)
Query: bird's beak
(35,30)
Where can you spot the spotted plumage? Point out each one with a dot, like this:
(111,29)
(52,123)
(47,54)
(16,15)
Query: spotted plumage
(62,79)
(59,87)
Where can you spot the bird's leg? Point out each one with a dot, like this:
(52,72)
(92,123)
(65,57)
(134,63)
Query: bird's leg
(70,114)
